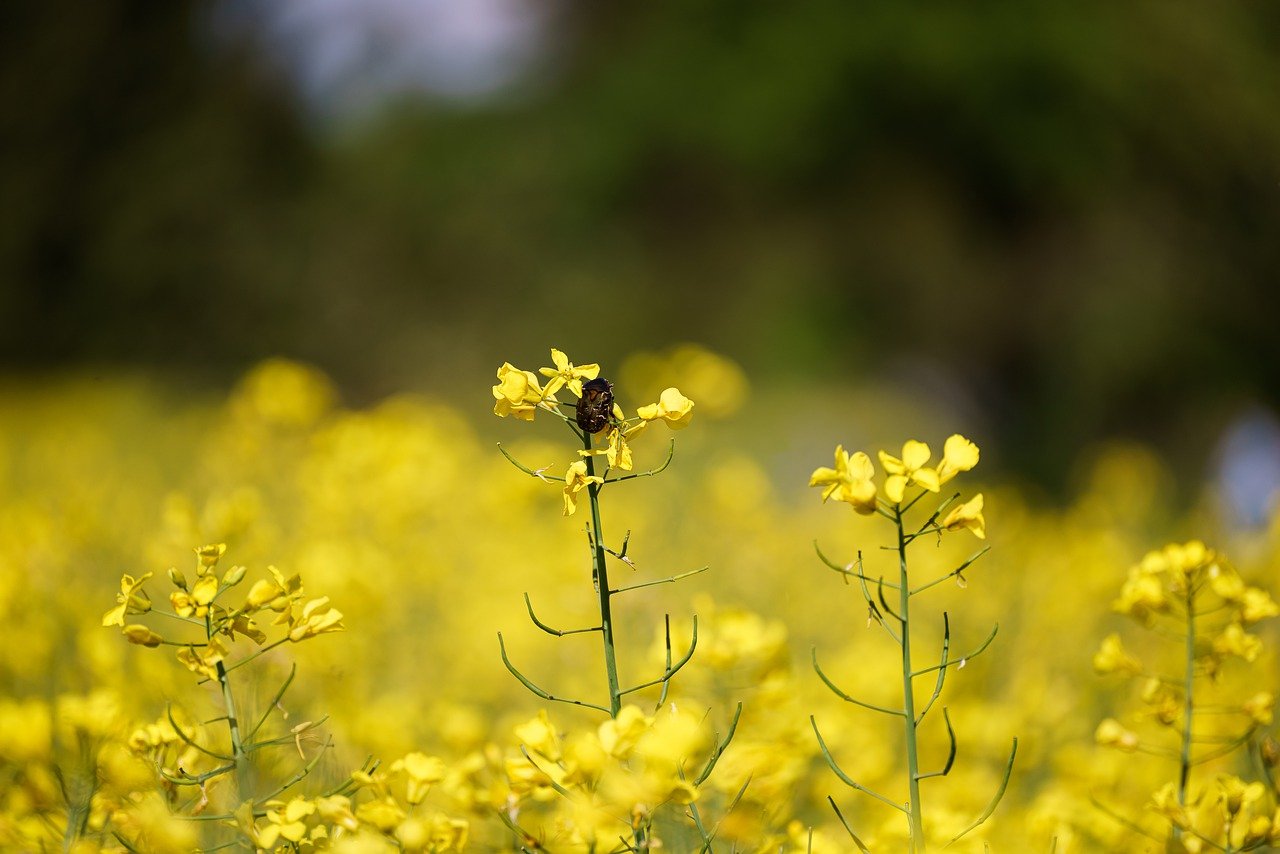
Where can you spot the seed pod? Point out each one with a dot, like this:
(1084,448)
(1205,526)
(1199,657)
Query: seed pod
(595,407)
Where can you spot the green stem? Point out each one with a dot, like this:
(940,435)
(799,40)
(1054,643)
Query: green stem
(908,694)
(601,573)
(1188,709)
(639,830)
(238,754)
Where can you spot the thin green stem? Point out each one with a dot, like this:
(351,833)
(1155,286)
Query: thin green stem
(908,694)
(1184,768)
(240,781)
(602,587)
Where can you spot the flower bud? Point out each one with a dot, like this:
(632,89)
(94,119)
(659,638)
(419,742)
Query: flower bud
(179,580)
(1270,752)
(142,635)
(234,576)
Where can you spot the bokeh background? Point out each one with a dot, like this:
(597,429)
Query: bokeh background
(1053,229)
(1060,223)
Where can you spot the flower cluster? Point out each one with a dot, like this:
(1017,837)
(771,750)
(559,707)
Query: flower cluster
(852,480)
(196,603)
(600,424)
(609,782)
(1190,592)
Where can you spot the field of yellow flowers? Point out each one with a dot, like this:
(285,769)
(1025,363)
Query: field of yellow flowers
(276,623)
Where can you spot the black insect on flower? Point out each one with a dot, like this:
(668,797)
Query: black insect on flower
(595,407)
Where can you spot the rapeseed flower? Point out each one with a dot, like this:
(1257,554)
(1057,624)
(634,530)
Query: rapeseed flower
(566,375)
(575,480)
(850,481)
(909,469)
(967,516)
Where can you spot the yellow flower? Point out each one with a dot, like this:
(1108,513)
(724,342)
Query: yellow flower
(384,813)
(1237,794)
(1142,594)
(518,393)
(142,635)
(204,659)
(278,595)
(1165,802)
(317,619)
(540,736)
(286,823)
(207,556)
(1234,640)
(422,771)
(620,735)
(1112,657)
(1112,733)
(1257,604)
(617,452)
(907,470)
(575,479)
(128,598)
(959,454)
(672,407)
(433,832)
(195,603)
(967,515)
(565,374)
(1261,708)
(850,481)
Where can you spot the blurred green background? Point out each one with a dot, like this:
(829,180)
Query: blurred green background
(1058,222)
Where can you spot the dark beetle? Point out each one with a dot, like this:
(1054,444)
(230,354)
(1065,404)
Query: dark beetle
(595,407)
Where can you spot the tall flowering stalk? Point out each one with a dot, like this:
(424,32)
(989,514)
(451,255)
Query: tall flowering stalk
(202,771)
(604,433)
(908,480)
(1191,593)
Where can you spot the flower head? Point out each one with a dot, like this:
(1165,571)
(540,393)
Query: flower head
(129,600)
(967,515)
(672,407)
(617,451)
(850,480)
(566,374)
(907,470)
(959,454)
(518,393)
(575,480)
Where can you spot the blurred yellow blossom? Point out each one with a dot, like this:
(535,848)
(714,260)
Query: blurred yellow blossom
(129,600)
(620,735)
(317,618)
(1234,640)
(142,635)
(540,736)
(1111,733)
(1261,708)
(1112,657)
(208,556)
(421,772)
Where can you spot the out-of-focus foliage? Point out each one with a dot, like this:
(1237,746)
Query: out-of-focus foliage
(425,537)
(823,188)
